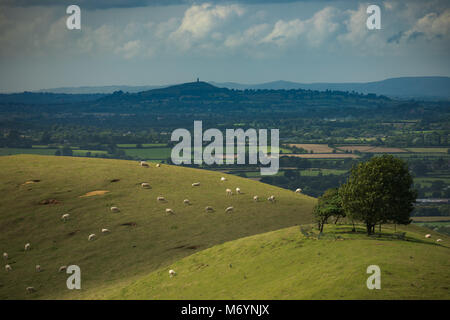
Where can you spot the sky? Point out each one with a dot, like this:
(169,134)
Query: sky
(156,42)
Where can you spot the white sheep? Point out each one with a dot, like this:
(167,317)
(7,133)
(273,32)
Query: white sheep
(298,190)
(196,184)
(104,230)
(65,216)
(229,192)
(143,164)
(8,268)
(38,268)
(172,272)
(160,198)
(30,289)
(439,240)
(208,209)
(271,198)
(255,198)
(91,237)
(115,209)
(229,209)
(428,236)
(5,256)
(169,211)
(62,268)
(27,247)
(158,165)
(186,201)
(223,179)
(238,190)
(145,185)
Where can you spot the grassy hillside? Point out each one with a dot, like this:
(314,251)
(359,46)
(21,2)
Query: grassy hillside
(284,264)
(143,237)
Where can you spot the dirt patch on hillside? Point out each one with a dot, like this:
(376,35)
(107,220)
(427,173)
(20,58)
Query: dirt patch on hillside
(94,193)
(129,224)
(114,180)
(30,182)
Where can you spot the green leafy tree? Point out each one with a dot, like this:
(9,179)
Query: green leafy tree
(328,205)
(379,191)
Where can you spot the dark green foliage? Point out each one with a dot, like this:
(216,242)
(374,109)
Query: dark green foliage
(328,205)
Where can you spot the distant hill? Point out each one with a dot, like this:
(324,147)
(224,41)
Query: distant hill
(404,87)
(99,89)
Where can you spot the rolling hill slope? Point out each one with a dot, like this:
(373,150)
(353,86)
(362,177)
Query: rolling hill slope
(284,264)
(38,190)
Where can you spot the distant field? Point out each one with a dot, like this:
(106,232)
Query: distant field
(153,153)
(13,151)
(426,150)
(84,152)
(371,149)
(322,155)
(430,219)
(313,173)
(144,145)
(316,148)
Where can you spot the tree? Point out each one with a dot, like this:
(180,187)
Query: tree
(328,205)
(379,191)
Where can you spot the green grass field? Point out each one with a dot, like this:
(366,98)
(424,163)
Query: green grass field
(143,237)
(284,264)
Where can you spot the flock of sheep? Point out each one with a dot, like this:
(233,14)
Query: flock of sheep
(114,209)
(428,236)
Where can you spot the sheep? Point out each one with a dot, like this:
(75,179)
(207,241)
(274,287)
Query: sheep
(160,198)
(238,190)
(62,268)
(30,289)
(27,247)
(115,209)
(158,165)
(298,190)
(209,209)
(186,201)
(144,164)
(172,273)
(5,256)
(439,240)
(196,184)
(104,230)
(229,192)
(8,268)
(223,179)
(145,185)
(255,198)
(38,268)
(229,209)
(271,198)
(65,216)
(170,211)
(428,236)
(91,237)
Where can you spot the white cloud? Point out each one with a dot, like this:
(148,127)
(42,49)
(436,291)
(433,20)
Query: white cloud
(129,49)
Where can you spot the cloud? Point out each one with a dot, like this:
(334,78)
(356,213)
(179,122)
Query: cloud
(129,49)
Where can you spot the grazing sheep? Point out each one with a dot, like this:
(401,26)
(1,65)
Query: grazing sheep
(271,198)
(145,185)
(160,198)
(238,190)
(8,268)
(298,190)
(170,211)
(229,209)
(229,192)
(158,165)
(105,230)
(172,272)
(196,184)
(428,236)
(30,289)
(5,256)
(223,179)
(115,209)
(91,237)
(209,209)
(38,268)
(62,268)
(144,164)
(27,247)
(65,216)
(256,198)
(439,240)
(186,201)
